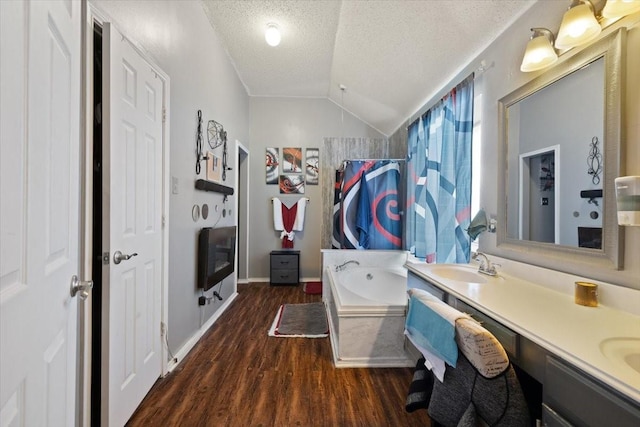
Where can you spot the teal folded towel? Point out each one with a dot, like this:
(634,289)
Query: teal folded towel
(430,329)
(478,224)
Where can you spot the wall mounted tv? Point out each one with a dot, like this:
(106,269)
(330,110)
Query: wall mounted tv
(216,255)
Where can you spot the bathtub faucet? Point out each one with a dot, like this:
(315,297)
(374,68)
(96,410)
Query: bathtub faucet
(486,266)
(344,265)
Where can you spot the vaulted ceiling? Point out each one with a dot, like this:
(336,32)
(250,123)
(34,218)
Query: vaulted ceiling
(392,56)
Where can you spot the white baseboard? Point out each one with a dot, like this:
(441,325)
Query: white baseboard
(267,279)
(186,348)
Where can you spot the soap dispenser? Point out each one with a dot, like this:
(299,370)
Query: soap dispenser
(628,200)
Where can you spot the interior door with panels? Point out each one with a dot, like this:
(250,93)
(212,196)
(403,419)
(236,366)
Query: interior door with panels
(132,230)
(39,210)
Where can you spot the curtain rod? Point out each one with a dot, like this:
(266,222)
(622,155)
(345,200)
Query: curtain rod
(371,160)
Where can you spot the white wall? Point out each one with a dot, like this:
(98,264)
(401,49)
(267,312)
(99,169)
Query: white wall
(503,58)
(291,122)
(179,38)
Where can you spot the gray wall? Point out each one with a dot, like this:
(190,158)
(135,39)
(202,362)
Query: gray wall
(569,115)
(179,38)
(502,76)
(291,122)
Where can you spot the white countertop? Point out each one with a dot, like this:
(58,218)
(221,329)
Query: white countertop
(549,317)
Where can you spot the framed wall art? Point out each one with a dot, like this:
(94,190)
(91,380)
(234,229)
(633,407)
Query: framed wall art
(292,184)
(272,165)
(312,166)
(292,160)
(214,167)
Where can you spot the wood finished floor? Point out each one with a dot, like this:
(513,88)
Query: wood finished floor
(238,376)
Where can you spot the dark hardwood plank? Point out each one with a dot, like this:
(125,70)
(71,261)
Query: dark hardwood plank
(238,376)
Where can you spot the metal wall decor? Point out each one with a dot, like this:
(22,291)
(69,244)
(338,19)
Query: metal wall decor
(199,156)
(594,161)
(216,134)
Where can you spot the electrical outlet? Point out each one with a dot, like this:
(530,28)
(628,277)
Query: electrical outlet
(202,300)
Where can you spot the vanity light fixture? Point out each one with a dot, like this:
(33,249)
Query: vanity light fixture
(272,35)
(539,53)
(579,25)
(620,8)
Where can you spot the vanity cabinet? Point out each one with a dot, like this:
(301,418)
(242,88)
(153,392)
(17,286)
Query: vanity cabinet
(506,336)
(413,281)
(575,398)
(569,397)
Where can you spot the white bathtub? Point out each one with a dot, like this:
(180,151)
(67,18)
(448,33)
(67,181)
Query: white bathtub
(366,307)
(369,289)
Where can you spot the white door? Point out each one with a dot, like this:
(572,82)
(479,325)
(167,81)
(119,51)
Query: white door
(132,200)
(39,210)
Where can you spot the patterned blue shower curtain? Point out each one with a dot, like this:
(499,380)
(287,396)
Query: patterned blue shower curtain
(439,179)
(366,212)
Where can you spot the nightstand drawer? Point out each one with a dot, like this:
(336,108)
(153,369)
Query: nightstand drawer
(284,276)
(284,261)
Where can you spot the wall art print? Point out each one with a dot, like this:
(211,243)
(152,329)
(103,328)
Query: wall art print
(272,163)
(292,160)
(312,162)
(292,184)
(214,167)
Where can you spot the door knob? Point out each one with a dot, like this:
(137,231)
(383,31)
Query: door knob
(80,287)
(118,257)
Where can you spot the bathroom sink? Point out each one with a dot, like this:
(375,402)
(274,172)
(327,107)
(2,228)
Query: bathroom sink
(624,351)
(459,273)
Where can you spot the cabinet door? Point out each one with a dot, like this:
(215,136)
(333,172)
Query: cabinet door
(414,281)
(582,401)
(507,337)
(551,418)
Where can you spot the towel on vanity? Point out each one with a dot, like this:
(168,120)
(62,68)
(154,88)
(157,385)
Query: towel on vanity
(431,324)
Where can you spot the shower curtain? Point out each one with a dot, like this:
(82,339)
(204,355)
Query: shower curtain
(439,179)
(366,210)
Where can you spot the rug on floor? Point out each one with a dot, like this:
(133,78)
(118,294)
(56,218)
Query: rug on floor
(312,288)
(300,320)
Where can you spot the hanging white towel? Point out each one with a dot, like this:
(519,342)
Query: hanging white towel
(278,225)
(298,225)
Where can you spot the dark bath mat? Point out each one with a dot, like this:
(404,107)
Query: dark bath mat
(300,320)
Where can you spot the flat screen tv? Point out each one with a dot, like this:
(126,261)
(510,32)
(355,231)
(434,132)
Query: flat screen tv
(216,255)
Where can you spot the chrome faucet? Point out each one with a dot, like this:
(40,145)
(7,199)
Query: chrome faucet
(344,265)
(486,266)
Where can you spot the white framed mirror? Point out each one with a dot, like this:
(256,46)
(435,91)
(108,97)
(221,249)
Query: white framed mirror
(557,116)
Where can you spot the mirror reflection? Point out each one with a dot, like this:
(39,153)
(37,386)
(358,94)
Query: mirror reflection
(555,161)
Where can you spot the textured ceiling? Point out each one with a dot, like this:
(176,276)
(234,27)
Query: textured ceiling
(392,56)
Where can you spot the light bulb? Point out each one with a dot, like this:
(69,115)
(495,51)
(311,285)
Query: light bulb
(272,35)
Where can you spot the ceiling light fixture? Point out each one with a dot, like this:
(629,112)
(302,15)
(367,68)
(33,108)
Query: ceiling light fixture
(620,8)
(579,25)
(539,53)
(272,35)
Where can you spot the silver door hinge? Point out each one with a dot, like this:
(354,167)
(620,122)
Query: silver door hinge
(164,221)
(105,258)
(164,114)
